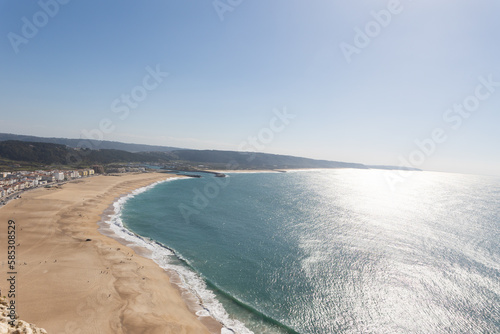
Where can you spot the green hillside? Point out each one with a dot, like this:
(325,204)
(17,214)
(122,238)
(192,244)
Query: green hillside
(42,154)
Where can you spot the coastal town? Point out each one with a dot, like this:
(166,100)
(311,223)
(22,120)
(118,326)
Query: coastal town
(12,184)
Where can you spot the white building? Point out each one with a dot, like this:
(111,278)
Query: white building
(74,174)
(59,176)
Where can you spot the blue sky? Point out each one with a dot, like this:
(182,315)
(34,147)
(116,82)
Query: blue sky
(227,77)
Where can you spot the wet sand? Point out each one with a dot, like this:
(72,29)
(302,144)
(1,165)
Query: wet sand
(73,279)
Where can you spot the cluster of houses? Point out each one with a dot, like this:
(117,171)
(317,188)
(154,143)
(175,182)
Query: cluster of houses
(14,182)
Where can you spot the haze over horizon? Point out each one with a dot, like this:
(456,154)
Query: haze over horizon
(379,83)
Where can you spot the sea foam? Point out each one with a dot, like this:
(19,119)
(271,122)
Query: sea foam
(162,255)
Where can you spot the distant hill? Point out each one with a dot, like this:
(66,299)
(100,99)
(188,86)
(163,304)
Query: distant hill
(61,153)
(57,154)
(98,145)
(256,160)
(33,152)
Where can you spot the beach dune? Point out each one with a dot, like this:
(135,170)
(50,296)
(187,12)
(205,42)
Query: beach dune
(72,279)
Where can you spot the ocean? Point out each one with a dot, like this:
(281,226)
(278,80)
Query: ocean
(328,251)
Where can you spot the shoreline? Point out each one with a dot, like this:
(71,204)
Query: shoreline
(72,277)
(200,299)
(111,226)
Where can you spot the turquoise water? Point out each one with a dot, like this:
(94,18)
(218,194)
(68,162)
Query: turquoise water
(334,251)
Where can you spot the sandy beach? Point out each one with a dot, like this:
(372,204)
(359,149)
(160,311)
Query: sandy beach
(72,279)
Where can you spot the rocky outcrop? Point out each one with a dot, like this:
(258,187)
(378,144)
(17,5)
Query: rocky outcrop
(20,327)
